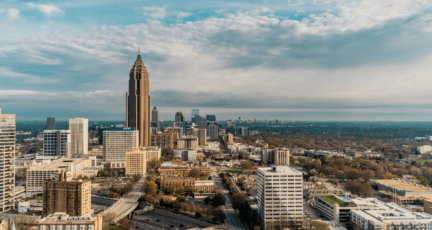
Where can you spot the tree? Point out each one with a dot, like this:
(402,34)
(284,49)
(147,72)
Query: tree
(150,187)
(218,200)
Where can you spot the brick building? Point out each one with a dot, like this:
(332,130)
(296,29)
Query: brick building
(71,197)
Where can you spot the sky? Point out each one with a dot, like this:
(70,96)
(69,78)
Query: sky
(310,60)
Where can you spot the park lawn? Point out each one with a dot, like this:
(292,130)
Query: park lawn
(423,161)
(116,228)
(236,170)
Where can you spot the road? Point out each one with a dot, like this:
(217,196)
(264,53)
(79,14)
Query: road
(232,221)
(124,205)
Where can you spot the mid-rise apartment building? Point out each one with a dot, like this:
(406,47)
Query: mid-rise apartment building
(187,142)
(280,194)
(57,143)
(136,162)
(79,136)
(71,197)
(118,141)
(278,156)
(152,153)
(7,165)
(212,131)
(163,140)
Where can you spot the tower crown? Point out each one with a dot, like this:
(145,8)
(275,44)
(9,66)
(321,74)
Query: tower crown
(139,64)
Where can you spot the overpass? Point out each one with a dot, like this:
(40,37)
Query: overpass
(125,205)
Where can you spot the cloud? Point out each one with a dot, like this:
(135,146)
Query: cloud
(155,12)
(26,78)
(13,13)
(254,59)
(2,10)
(48,10)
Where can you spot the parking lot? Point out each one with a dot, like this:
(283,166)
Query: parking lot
(168,220)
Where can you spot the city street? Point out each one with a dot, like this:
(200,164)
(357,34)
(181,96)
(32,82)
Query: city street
(232,221)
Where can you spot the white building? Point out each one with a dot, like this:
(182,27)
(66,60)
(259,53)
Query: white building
(57,143)
(7,165)
(280,194)
(390,216)
(79,136)
(118,141)
(424,149)
(185,154)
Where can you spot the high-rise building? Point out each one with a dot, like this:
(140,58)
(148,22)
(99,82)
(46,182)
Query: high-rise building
(50,123)
(118,141)
(71,197)
(7,158)
(212,131)
(136,162)
(155,117)
(195,112)
(138,101)
(179,117)
(201,122)
(57,143)
(202,137)
(79,136)
(280,195)
(211,117)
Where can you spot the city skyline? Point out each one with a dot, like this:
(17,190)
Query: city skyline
(325,61)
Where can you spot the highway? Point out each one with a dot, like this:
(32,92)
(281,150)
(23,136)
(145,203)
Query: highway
(125,205)
(232,221)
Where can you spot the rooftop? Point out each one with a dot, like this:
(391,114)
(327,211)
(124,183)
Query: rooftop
(404,186)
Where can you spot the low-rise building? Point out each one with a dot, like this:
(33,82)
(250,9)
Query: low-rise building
(63,221)
(385,216)
(186,154)
(152,153)
(403,192)
(198,186)
(182,170)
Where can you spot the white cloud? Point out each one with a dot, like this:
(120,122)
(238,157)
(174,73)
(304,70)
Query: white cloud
(155,12)
(13,13)
(48,10)
(2,10)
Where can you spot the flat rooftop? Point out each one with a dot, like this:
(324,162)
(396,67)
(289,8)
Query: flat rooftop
(404,187)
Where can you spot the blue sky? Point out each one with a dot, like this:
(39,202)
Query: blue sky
(289,60)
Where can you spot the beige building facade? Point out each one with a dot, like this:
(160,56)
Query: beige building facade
(79,136)
(62,221)
(136,162)
(187,142)
(118,141)
(163,140)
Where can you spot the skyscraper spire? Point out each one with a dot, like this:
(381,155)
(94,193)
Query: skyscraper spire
(139,53)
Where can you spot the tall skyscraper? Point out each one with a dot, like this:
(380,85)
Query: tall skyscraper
(155,117)
(280,195)
(50,123)
(7,158)
(79,136)
(138,101)
(57,143)
(179,117)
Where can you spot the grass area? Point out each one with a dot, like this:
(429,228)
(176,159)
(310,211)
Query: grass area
(116,228)
(236,170)
(39,198)
(422,161)
(333,200)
